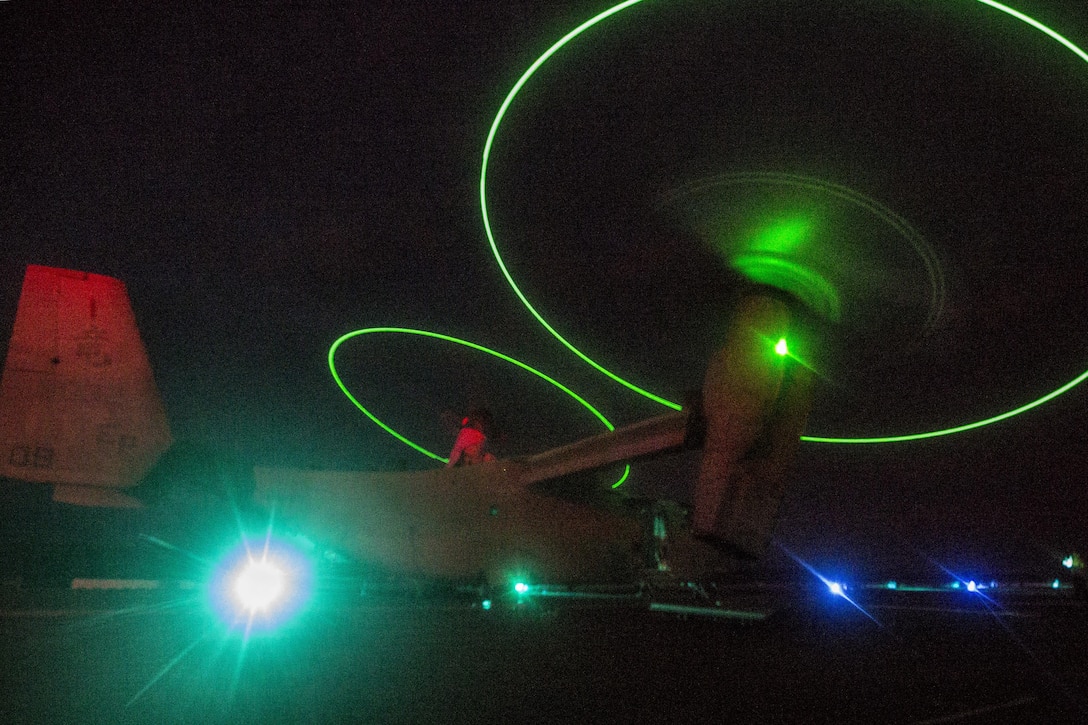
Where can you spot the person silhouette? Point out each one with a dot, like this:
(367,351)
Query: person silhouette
(471,445)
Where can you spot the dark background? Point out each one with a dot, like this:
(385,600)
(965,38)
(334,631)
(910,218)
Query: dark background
(267,178)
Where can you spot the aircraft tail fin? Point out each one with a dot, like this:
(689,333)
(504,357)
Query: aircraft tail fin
(78,403)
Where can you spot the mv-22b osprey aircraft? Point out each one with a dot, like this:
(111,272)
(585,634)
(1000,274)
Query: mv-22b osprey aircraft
(79,410)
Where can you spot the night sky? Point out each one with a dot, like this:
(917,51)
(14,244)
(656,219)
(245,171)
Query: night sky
(266,179)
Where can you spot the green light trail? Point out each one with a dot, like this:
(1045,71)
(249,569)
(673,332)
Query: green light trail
(487,220)
(465,343)
(1038,26)
(598,19)
(959,428)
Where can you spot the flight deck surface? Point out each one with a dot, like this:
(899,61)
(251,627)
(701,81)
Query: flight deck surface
(154,655)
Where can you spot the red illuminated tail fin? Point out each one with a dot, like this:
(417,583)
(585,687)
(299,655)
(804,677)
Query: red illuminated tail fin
(78,404)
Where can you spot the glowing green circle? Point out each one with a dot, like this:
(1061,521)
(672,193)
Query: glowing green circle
(465,343)
(493,132)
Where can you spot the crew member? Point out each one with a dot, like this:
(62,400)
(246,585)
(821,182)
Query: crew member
(471,445)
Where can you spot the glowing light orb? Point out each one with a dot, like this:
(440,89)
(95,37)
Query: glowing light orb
(521,587)
(836,588)
(464,343)
(259,584)
(781,347)
(792,237)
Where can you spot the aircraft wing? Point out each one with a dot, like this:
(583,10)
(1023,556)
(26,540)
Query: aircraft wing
(453,523)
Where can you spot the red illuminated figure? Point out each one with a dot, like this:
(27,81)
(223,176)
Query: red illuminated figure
(471,444)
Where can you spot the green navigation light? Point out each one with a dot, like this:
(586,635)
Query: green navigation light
(781,347)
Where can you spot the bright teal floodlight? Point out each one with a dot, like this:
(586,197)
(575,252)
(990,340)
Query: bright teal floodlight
(599,19)
(259,585)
